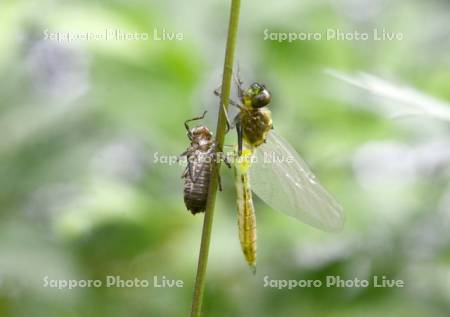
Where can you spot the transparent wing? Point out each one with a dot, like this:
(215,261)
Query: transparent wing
(281,178)
(395,100)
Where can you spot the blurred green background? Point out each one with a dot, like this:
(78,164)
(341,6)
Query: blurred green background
(81,196)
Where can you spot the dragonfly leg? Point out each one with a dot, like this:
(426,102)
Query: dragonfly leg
(225,158)
(185,173)
(239,136)
(182,155)
(190,171)
(187,169)
(217,90)
(230,125)
(193,119)
(219,181)
(239,82)
(227,162)
(230,101)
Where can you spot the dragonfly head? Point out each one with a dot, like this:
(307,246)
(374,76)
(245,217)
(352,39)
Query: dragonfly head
(256,96)
(200,134)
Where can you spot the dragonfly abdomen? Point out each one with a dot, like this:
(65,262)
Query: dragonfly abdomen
(196,181)
(246,217)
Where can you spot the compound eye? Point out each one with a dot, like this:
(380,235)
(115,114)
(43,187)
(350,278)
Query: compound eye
(255,86)
(262,99)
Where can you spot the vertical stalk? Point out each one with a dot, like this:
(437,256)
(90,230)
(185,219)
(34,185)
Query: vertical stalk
(220,135)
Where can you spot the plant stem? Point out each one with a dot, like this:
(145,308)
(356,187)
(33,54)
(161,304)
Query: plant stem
(220,136)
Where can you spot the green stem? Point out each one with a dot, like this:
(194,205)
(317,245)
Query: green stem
(220,136)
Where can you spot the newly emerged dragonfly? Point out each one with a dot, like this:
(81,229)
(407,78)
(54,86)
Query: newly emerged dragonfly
(267,165)
(254,120)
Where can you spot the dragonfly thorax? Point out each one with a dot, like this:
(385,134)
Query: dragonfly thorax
(256,124)
(200,136)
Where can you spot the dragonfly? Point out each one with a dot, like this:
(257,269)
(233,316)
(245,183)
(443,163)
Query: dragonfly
(268,165)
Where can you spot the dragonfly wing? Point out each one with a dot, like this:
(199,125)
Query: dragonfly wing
(281,178)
